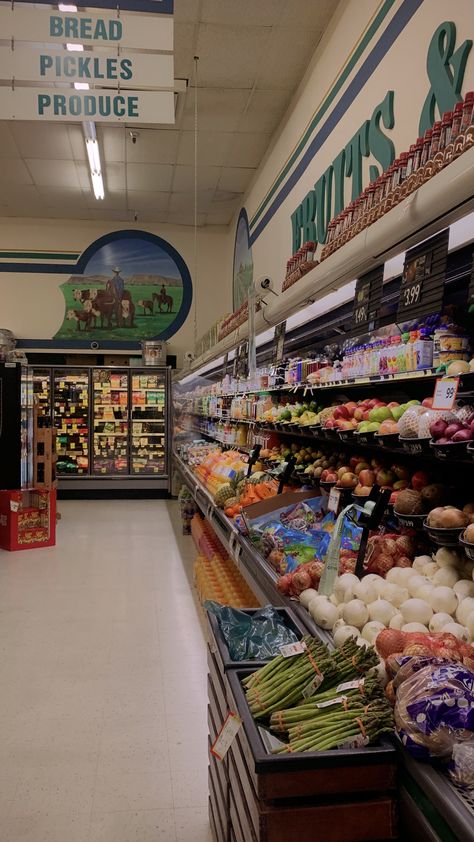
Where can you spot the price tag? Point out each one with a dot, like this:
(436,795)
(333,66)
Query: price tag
(14,506)
(290,649)
(355,742)
(313,685)
(334,499)
(338,700)
(445,392)
(226,736)
(350,685)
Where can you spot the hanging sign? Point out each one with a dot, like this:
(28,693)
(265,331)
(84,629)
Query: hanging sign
(160,7)
(102,106)
(424,274)
(129,70)
(279,342)
(445,393)
(367,299)
(104,29)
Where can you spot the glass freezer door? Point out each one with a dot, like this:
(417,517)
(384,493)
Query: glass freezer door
(42,393)
(110,421)
(27,427)
(148,434)
(71,417)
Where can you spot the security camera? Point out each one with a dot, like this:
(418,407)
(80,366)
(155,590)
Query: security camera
(266,284)
(133,136)
(135,217)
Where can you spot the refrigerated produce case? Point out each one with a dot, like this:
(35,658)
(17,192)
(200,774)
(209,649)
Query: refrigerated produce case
(16,426)
(113,425)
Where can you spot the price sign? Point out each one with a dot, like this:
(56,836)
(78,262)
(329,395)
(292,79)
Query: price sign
(334,499)
(445,393)
(424,271)
(226,736)
(291,649)
(367,299)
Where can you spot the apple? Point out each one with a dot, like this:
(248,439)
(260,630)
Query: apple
(373,427)
(379,414)
(366,414)
(419,480)
(353,461)
(361,466)
(428,402)
(362,490)
(351,407)
(392,404)
(397,412)
(359,413)
(400,471)
(384,477)
(331,477)
(400,484)
(345,425)
(348,480)
(366,477)
(343,470)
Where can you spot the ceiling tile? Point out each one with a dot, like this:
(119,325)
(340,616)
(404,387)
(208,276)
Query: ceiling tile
(114,176)
(282,68)
(58,173)
(185,35)
(230,56)
(220,217)
(42,140)
(149,176)
(179,218)
(113,200)
(149,201)
(262,13)
(227,208)
(62,197)
(14,171)
(207,179)
(308,15)
(8,147)
(236,178)
(184,202)
(264,111)
(77,142)
(213,148)
(112,142)
(219,109)
(247,150)
(152,216)
(186,10)
(23,196)
(153,146)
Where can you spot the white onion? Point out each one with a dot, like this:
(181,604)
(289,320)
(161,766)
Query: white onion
(324,613)
(416,582)
(439,621)
(420,561)
(371,630)
(333,600)
(340,609)
(416,611)
(338,625)
(430,569)
(470,624)
(459,631)
(446,557)
(347,580)
(393,575)
(406,574)
(307,595)
(379,585)
(447,576)
(414,627)
(394,594)
(382,611)
(343,633)
(396,622)
(443,599)
(365,591)
(425,592)
(464,609)
(356,613)
(372,577)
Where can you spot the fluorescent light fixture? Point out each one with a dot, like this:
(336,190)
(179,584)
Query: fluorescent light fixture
(75,48)
(93,154)
(98,185)
(67,7)
(82,86)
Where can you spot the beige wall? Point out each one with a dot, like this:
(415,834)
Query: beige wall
(32,305)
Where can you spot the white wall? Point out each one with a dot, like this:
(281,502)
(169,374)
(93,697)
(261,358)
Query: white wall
(32,305)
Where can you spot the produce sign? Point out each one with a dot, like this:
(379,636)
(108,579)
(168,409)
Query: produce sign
(445,393)
(424,272)
(367,298)
(226,736)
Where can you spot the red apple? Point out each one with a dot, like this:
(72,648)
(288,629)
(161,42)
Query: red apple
(366,477)
(359,413)
(393,403)
(345,425)
(360,466)
(419,480)
(365,416)
(348,480)
(362,490)
(331,476)
(428,402)
(342,470)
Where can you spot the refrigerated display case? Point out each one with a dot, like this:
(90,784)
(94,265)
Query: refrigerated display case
(71,418)
(113,425)
(16,426)
(42,395)
(110,426)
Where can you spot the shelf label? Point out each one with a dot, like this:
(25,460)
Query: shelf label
(313,685)
(291,649)
(445,392)
(334,499)
(226,736)
(367,298)
(338,700)
(423,278)
(350,685)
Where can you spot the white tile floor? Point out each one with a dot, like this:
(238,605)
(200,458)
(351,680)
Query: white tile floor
(103,734)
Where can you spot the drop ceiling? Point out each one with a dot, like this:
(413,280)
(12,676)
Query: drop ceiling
(252,56)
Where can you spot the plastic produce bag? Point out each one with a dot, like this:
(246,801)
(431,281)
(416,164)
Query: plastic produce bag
(434,710)
(257,636)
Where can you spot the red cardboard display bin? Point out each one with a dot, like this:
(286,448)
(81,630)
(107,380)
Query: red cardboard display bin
(27,519)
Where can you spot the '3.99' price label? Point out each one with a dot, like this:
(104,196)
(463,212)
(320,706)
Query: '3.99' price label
(445,392)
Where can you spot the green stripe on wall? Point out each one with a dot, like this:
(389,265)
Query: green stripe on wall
(368,35)
(39,255)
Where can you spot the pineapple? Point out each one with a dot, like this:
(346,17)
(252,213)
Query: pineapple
(232,501)
(225,493)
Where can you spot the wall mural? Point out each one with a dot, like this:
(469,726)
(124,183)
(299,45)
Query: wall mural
(133,285)
(243,262)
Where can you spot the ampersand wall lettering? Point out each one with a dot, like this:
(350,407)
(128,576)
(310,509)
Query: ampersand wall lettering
(446,73)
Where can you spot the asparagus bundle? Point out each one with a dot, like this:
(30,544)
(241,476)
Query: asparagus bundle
(348,728)
(285,682)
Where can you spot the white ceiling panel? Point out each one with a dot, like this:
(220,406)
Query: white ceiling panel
(213,148)
(149,176)
(14,171)
(219,109)
(153,146)
(207,179)
(229,56)
(252,56)
(247,150)
(236,179)
(283,68)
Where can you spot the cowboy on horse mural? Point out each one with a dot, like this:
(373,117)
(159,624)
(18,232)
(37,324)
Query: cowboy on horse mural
(163,300)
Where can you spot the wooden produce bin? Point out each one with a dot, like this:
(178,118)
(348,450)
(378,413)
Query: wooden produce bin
(27,519)
(333,796)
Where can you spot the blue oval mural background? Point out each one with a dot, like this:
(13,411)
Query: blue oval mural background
(243,262)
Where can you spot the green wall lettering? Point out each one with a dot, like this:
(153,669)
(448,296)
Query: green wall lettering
(296,223)
(339,164)
(445,70)
(309,213)
(323,192)
(357,148)
(381,146)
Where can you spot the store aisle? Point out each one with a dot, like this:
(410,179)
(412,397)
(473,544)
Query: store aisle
(103,733)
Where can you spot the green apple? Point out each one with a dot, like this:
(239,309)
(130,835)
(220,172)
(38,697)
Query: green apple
(413,403)
(379,414)
(373,426)
(397,412)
